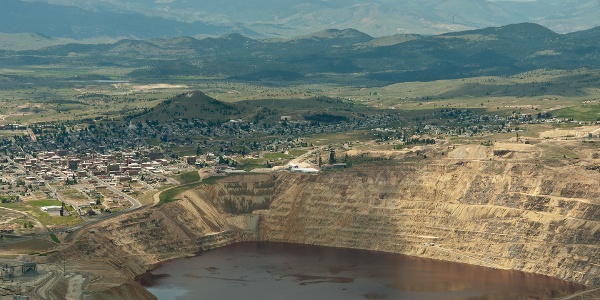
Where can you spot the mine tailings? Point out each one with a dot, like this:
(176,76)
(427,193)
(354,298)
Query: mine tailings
(506,215)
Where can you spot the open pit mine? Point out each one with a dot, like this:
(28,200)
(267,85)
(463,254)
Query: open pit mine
(527,216)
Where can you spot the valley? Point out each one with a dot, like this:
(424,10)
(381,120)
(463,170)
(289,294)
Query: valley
(116,157)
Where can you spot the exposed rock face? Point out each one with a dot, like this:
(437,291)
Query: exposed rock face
(111,254)
(520,216)
(512,215)
(245,194)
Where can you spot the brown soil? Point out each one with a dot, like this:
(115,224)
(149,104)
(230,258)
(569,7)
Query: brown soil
(509,212)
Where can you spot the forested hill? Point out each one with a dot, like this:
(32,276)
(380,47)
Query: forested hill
(503,50)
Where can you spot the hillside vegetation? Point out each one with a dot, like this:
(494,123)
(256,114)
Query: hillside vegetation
(352,56)
(198,106)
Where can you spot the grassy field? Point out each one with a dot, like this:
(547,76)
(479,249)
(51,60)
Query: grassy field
(73,194)
(343,137)
(251,164)
(44,93)
(148,198)
(188,177)
(531,92)
(32,208)
(553,152)
(276,156)
(171,194)
(586,112)
(185,150)
(40,203)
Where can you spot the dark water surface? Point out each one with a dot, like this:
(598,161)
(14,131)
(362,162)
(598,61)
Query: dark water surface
(274,271)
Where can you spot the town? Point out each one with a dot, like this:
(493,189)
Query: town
(99,167)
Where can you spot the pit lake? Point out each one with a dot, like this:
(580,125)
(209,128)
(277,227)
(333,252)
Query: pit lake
(276,271)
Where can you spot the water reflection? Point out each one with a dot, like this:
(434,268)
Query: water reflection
(284,271)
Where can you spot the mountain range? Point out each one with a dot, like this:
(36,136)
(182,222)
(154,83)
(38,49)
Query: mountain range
(505,50)
(285,18)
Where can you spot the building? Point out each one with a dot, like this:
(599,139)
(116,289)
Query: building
(305,170)
(51,208)
(73,164)
(124,178)
(190,160)
(113,168)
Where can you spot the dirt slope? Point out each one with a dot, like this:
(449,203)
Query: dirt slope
(517,215)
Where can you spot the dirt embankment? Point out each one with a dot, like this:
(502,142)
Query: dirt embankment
(111,254)
(506,215)
(513,215)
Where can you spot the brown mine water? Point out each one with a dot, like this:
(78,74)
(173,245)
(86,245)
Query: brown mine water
(277,271)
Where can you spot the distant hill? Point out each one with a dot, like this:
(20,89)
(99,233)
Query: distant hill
(390,40)
(585,34)
(335,37)
(285,18)
(29,41)
(71,22)
(194,105)
(198,106)
(504,50)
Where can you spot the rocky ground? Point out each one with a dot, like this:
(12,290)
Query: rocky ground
(511,206)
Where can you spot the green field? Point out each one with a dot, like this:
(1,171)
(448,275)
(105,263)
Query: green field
(588,112)
(340,137)
(40,203)
(32,208)
(73,194)
(171,194)
(45,93)
(530,92)
(188,177)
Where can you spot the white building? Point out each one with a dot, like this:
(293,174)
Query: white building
(305,170)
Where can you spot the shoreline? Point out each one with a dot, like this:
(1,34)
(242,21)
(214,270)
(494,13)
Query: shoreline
(579,289)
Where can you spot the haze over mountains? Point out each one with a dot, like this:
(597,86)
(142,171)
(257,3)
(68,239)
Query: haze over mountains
(285,18)
(352,55)
(154,43)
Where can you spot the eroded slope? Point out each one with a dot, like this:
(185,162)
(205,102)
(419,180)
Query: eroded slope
(514,215)
(519,216)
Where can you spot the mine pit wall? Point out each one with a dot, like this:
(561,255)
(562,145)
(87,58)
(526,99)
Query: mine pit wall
(244,194)
(111,254)
(518,216)
(505,215)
